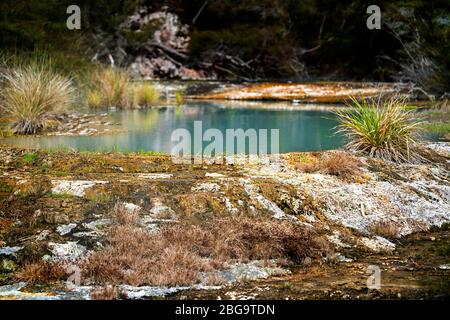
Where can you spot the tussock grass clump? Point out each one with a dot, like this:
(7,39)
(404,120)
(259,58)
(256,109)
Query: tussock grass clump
(110,86)
(144,95)
(380,129)
(387,229)
(31,92)
(179,253)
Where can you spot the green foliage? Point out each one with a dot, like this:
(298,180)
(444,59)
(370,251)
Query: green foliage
(252,38)
(381,129)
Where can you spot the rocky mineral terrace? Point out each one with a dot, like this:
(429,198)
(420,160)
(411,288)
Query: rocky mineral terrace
(321,92)
(57,207)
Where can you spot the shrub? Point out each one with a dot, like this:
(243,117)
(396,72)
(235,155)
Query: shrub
(30,93)
(381,129)
(107,293)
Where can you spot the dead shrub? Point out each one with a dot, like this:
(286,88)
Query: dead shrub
(305,162)
(125,216)
(337,163)
(42,272)
(340,164)
(180,253)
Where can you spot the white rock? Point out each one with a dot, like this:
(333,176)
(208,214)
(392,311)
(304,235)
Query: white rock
(73,187)
(131,207)
(42,235)
(69,251)
(155,176)
(9,250)
(378,244)
(66,228)
(206,187)
(214,175)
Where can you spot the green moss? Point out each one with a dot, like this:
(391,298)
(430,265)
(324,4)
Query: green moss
(5,188)
(60,173)
(98,197)
(30,157)
(7,265)
(61,196)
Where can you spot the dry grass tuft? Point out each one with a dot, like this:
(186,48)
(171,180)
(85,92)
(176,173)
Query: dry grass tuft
(125,216)
(111,87)
(30,93)
(179,253)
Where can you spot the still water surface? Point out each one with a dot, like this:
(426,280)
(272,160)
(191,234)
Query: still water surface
(151,130)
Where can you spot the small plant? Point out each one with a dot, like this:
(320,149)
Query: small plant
(336,163)
(380,129)
(145,94)
(30,93)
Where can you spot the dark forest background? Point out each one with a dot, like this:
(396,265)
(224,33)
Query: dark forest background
(274,39)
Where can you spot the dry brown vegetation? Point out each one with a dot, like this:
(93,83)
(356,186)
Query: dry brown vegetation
(42,272)
(107,293)
(387,229)
(337,163)
(179,253)
(340,164)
